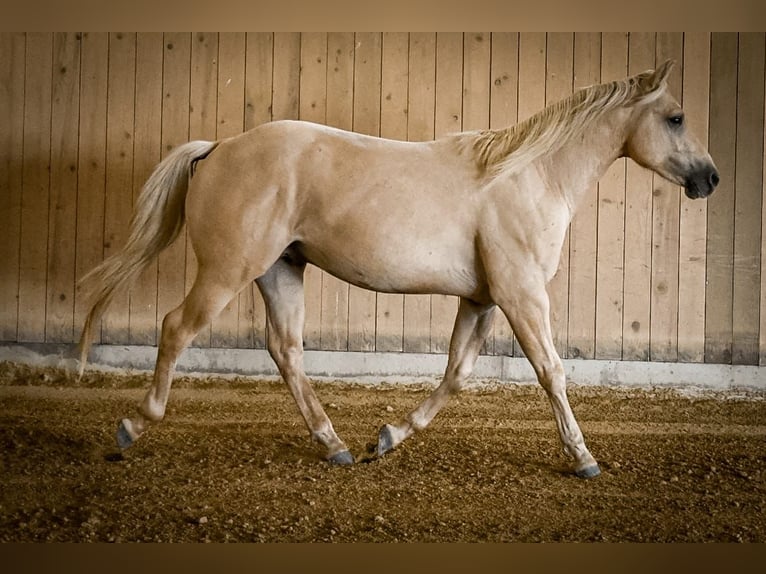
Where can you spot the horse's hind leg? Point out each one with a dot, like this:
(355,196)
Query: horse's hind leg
(282,289)
(472,325)
(207,297)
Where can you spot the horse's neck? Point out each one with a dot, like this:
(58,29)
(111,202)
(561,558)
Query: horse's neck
(578,165)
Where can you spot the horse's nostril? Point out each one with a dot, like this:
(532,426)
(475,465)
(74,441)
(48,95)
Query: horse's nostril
(714,179)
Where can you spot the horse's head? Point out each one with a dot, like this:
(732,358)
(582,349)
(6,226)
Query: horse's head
(659,139)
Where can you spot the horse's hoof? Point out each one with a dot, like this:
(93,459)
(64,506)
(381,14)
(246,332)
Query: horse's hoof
(124,438)
(588,472)
(385,440)
(342,458)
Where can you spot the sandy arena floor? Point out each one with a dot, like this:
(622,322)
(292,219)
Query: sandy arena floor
(232,461)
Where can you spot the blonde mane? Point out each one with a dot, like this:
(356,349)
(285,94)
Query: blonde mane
(510,148)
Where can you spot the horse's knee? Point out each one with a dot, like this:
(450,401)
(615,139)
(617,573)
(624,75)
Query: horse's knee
(286,354)
(288,357)
(551,376)
(457,375)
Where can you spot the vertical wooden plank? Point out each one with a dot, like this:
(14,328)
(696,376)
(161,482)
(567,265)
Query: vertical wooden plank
(394,86)
(748,199)
(313,107)
(532,47)
(286,86)
(118,198)
(504,75)
(449,112)
(611,221)
(231,84)
(12,64)
(175,131)
(558,85)
(693,216)
(420,127)
(665,232)
(450,101)
(340,114)
(638,227)
(531,99)
(203,113)
(91,170)
(233,326)
(582,231)
(65,116)
(503,112)
(147,132)
(720,223)
(259,78)
(393,124)
(340,80)
(476,80)
(367,70)
(35,187)
(258,89)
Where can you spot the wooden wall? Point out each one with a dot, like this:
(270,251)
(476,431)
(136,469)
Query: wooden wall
(645,274)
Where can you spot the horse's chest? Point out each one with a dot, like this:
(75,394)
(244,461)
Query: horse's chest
(526,239)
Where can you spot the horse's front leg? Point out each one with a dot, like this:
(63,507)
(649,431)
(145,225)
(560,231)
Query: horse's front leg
(527,307)
(472,326)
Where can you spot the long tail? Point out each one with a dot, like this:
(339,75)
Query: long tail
(158,219)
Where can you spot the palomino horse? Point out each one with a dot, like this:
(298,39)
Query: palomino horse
(481,215)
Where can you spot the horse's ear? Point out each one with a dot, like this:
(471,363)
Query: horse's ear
(650,81)
(660,75)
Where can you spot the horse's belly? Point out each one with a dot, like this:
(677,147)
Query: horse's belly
(404,270)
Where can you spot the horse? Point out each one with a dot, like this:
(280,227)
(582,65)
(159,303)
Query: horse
(481,215)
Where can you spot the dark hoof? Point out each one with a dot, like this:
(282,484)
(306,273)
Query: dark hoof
(385,440)
(342,458)
(124,440)
(588,471)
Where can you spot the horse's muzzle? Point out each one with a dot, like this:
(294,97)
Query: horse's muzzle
(702,182)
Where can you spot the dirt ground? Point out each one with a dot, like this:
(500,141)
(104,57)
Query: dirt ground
(232,461)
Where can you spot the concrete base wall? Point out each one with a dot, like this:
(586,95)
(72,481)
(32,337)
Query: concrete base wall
(399,367)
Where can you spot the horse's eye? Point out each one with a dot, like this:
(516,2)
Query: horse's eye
(676,120)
